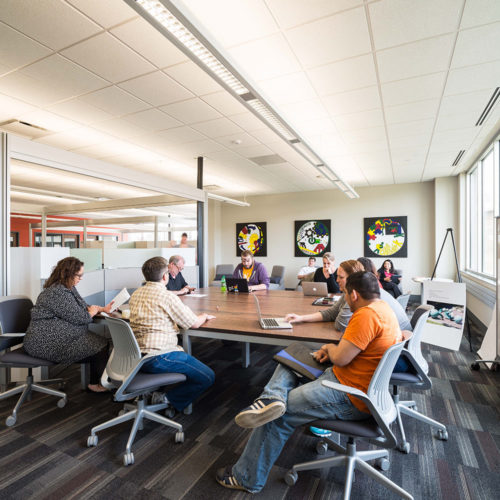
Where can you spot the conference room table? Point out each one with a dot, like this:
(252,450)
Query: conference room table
(236,318)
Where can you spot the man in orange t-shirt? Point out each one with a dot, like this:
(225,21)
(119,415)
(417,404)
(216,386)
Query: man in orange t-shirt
(286,404)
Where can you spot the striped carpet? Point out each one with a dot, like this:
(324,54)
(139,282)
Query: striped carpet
(45,455)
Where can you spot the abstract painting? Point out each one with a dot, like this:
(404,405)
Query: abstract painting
(251,236)
(312,237)
(385,236)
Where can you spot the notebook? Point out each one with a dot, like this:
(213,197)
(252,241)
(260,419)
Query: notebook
(237,284)
(298,357)
(315,289)
(270,323)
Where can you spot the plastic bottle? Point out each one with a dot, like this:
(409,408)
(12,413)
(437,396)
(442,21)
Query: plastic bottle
(223,287)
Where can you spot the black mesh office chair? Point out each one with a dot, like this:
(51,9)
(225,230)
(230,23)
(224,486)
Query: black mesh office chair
(15,315)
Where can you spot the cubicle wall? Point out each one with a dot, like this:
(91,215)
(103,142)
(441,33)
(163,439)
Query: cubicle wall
(130,278)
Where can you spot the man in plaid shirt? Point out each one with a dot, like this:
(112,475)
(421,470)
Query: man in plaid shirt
(156,315)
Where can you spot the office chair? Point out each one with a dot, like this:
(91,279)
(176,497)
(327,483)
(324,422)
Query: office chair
(222,270)
(123,371)
(15,316)
(416,378)
(277,278)
(403,300)
(374,429)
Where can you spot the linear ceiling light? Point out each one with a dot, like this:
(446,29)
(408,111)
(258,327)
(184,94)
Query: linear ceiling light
(228,200)
(178,29)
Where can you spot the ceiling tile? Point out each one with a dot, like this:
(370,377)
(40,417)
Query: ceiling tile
(156,88)
(288,88)
(266,136)
(457,120)
(181,135)
(395,22)
(201,148)
(247,121)
(464,135)
(480,12)
(253,151)
(218,128)
(76,138)
(191,76)
(17,50)
(115,101)
(406,129)
(471,78)
(109,58)
(409,141)
(139,35)
(107,14)
(152,120)
(344,76)
(13,108)
(411,112)
(363,119)
(49,121)
(352,102)
(477,45)
(408,155)
(191,111)
(331,39)
(364,135)
(83,111)
(237,141)
(224,103)
(299,112)
(51,79)
(120,128)
(51,22)
(414,59)
(465,103)
(265,58)
(413,89)
(241,21)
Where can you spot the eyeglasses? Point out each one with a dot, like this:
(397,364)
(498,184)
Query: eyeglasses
(79,276)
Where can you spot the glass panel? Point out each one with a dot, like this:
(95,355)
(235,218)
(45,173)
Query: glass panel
(488,214)
(473,218)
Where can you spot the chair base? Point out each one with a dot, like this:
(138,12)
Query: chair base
(138,413)
(26,391)
(351,459)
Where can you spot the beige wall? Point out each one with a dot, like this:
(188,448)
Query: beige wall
(280,211)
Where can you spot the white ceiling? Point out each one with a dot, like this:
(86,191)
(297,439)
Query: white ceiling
(386,91)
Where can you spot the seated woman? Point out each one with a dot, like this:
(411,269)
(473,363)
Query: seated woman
(58,330)
(328,274)
(389,279)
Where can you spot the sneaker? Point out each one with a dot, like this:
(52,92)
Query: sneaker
(225,478)
(159,398)
(260,413)
(316,431)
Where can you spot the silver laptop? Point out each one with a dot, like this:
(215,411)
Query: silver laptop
(270,323)
(315,289)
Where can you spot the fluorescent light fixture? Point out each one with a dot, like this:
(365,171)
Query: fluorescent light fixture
(174,24)
(327,173)
(225,199)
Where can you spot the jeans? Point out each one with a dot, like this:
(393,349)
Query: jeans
(305,403)
(199,376)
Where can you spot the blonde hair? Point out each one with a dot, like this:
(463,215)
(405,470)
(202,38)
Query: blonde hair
(329,256)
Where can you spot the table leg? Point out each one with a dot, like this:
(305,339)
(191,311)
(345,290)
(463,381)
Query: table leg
(186,342)
(245,354)
(84,375)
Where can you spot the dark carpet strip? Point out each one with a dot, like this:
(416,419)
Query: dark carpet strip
(45,455)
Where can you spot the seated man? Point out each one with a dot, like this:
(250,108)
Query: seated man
(285,405)
(254,272)
(176,282)
(310,268)
(156,315)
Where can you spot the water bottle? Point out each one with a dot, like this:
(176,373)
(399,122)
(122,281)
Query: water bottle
(223,287)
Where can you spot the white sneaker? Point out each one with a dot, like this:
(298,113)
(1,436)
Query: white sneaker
(159,398)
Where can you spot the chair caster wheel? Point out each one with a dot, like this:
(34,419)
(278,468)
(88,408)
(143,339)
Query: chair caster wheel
(475,367)
(10,421)
(61,385)
(404,447)
(179,437)
(384,463)
(321,448)
(92,441)
(443,435)
(62,403)
(170,412)
(128,459)
(291,478)
(188,410)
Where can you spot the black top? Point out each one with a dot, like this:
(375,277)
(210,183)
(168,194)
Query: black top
(177,283)
(331,282)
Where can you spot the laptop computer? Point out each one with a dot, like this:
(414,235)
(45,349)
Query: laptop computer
(237,284)
(271,323)
(315,289)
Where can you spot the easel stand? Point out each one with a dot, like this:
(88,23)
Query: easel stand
(450,232)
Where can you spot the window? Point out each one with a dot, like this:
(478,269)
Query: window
(482,208)
(14,238)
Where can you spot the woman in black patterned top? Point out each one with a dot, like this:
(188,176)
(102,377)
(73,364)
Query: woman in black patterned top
(58,330)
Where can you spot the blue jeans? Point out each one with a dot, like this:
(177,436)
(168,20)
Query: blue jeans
(199,376)
(304,403)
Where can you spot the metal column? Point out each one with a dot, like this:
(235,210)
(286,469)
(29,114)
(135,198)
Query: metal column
(5,214)
(200,206)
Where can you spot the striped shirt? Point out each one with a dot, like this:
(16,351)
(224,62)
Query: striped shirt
(156,315)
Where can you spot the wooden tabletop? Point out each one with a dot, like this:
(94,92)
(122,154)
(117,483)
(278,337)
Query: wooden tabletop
(236,312)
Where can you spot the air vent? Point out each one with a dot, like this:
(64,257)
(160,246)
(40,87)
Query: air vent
(212,187)
(489,107)
(267,160)
(24,128)
(248,97)
(458,158)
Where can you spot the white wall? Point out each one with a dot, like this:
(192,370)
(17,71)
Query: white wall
(280,211)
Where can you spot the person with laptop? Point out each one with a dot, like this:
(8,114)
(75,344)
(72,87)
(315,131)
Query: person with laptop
(328,273)
(285,404)
(254,272)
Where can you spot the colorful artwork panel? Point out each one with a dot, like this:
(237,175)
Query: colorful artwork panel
(386,236)
(312,237)
(251,236)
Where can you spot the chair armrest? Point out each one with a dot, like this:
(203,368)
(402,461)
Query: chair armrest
(12,335)
(426,381)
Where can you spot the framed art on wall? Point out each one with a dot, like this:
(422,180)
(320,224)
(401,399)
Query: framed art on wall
(312,237)
(386,236)
(251,236)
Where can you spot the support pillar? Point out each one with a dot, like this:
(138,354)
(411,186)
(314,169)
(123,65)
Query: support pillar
(200,212)
(5,214)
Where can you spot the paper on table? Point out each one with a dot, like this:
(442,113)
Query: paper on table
(121,297)
(197,295)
